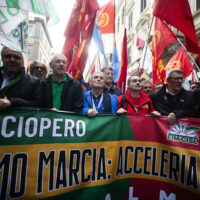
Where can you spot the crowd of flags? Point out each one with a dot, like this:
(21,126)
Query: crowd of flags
(89,22)
(151,60)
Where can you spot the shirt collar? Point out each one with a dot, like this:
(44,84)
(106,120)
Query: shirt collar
(171,93)
(63,80)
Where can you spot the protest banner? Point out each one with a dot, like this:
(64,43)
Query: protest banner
(58,155)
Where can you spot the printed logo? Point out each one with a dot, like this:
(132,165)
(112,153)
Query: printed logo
(183,133)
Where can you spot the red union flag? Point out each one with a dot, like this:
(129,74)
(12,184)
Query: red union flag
(81,15)
(78,64)
(123,65)
(106,17)
(181,61)
(178,14)
(162,37)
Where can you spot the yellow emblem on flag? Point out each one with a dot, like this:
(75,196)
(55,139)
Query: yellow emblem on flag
(156,37)
(174,64)
(104,19)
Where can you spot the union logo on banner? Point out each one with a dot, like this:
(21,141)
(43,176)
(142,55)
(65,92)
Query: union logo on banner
(183,133)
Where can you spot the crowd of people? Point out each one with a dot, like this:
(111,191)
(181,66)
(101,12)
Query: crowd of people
(59,91)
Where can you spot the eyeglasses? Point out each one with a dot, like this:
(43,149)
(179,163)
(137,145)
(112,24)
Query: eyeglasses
(9,56)
(36,68)
(178,78)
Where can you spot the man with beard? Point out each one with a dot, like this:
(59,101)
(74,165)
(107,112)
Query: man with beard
(17,88)
(172,99)
(135,101)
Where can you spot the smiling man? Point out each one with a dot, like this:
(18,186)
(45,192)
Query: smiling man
(172,99)
(96,101)
(38,70)
(59,91)
(17,89)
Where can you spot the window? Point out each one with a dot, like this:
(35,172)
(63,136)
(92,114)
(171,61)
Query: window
(130,20)
(30,52)
(143,5)
(31,31)
(197,4)
(129,54)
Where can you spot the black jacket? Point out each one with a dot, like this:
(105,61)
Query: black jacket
(179,104)
(24,93)
(71,97)
(113,90)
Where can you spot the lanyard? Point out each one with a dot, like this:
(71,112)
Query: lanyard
(99,104)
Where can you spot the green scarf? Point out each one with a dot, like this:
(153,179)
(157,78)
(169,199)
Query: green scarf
(10,84)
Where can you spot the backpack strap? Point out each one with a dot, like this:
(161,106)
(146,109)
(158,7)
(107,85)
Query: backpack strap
(123,101)
(90,106)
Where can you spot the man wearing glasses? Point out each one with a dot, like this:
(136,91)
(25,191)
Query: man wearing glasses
(59,91)
(172,99)
(38,70)
(134,101)
(17,89)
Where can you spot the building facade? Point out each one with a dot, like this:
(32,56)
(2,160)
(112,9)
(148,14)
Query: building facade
(39,42)
(136,15)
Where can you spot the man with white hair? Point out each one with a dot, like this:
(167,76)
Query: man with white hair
(96,101)
(59,91)
(172,99)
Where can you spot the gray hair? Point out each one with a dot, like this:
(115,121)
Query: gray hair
(97,72)
(147,82)
(169,73)
(57,55)
(129,79)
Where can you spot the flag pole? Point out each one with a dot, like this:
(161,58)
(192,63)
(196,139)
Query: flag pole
(145,51)
(197,68)
(99,60)
(22,36)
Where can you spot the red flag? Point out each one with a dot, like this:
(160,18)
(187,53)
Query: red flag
(181,61)
(178,14)
(93,70)
(80,18)
(162,37)
(78,64)
(123,65)
(106,17)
